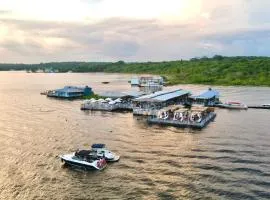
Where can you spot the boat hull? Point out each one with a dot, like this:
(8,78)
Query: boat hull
(234,107)
(81,164)
(78,165)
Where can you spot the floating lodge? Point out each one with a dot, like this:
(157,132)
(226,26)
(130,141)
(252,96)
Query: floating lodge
(163,107)
(147,81)
(70,92)
(178,116)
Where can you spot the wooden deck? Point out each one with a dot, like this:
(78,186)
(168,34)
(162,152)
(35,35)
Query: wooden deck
(184,124)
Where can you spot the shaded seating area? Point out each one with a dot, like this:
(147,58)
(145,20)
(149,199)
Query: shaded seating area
(151,104)
(196,117)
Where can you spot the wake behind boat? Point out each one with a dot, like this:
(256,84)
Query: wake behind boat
(84,159)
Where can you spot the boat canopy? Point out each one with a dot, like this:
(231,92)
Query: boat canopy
(97,146)
(82,153)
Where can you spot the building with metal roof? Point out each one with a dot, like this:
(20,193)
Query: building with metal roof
(207,98)
(150,104)
(70,92)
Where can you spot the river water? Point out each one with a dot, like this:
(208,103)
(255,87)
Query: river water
(229,159)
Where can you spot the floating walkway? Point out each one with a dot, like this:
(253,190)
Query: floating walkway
(106,105)
(184,124)
(264,106)
(100,107)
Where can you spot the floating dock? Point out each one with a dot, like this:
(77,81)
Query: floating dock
(121,106)
(100,107)
(266,106)
(184,124)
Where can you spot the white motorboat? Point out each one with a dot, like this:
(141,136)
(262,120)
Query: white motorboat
(266,105)
(102,151)
(84,159)
(233,105)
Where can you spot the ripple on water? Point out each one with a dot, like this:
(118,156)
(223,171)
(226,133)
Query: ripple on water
(227,160)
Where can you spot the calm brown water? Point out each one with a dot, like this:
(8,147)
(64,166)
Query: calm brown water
(230,159)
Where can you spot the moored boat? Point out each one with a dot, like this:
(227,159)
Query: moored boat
(102,151)
(105,82)
(233,105)
(261,106)
(266,105)
(84,159)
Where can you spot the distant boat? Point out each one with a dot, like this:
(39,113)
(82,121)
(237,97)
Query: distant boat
(266,105)
(147,81)
(105,82)
(262,106)
(233,105)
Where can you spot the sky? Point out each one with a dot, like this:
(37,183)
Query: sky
(34,31)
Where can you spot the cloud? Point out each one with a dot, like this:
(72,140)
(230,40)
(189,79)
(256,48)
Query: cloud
(4,12)
(112,38)
(240,42)
(227,28)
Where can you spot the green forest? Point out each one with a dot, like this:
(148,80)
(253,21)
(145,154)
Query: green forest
(218,70)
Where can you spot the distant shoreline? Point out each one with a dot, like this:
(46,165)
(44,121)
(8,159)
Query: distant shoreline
(219,70)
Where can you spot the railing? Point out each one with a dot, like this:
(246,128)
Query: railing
(186,123)
(140,111)
(106,106)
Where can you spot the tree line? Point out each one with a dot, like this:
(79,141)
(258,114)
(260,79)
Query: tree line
(217,70)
